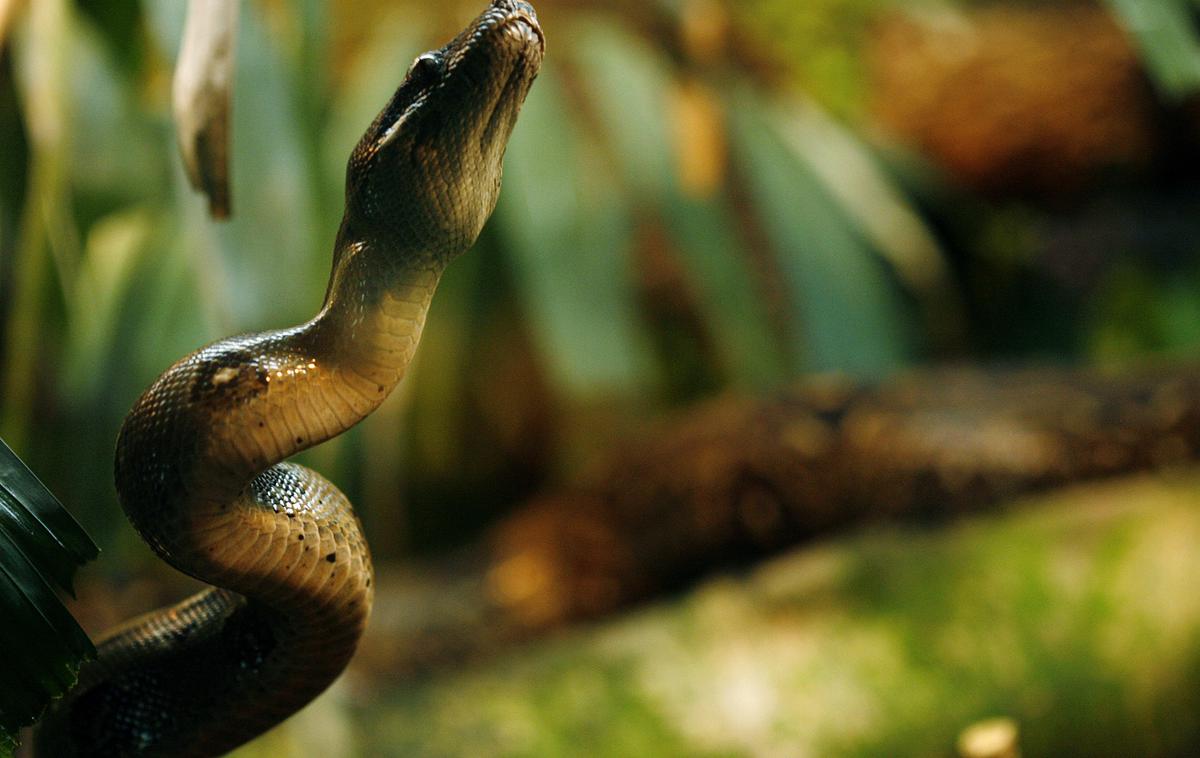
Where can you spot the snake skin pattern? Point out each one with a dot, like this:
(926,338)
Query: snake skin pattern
(198,461)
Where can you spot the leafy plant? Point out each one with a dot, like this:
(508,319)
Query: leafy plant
(41,545)
(1166,35)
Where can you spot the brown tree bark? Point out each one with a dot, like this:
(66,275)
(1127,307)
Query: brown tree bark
(740,479)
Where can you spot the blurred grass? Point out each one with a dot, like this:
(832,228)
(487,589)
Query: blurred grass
(1071,614)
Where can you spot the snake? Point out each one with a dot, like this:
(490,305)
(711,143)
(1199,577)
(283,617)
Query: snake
(201,463)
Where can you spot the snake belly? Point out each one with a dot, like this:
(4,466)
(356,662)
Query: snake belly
(201,465)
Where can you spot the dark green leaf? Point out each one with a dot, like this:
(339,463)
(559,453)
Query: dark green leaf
(41,545)
(120,22)
(46,529)
(847,313)
(869,199)
(569,241)
(1167,37)
(719,267)
(629,84)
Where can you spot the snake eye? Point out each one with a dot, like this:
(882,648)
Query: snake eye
(426,69)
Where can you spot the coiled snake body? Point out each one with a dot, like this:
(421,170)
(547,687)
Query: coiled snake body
(198,462)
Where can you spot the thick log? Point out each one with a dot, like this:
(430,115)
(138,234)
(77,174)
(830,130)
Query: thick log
(740,479)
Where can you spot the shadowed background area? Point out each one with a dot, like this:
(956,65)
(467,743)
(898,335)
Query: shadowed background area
(704,202)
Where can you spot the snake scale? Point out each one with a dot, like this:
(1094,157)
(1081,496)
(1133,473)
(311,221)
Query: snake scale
(199,460)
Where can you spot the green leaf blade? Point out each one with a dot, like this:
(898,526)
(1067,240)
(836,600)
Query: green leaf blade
(569,243)
(1166,36)
(39,514)
(41,545)
(719,267)
(626,81)
(846,313)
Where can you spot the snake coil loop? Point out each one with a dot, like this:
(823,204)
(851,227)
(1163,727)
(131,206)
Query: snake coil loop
(199,461)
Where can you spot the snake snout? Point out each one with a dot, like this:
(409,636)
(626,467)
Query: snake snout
(514,5)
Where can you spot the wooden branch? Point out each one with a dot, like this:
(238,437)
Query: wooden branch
(742,479)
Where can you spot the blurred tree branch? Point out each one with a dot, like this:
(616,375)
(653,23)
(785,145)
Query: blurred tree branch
(740,479)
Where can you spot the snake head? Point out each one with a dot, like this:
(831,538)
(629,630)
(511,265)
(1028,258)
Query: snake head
(425,176)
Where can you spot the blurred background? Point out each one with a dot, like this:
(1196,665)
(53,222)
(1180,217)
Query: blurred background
(703,198)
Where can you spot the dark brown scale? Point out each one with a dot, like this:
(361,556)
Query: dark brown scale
(198,462)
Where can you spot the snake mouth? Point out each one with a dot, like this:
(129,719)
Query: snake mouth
(506,106)
(520,13)
(525,25)
(525,35)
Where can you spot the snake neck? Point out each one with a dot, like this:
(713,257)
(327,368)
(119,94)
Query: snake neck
(200,440)
(372,319)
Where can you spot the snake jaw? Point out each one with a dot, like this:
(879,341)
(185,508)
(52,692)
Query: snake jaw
(524,17)
(523,29)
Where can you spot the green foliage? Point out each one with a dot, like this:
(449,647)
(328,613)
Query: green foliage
(1135,310)
(1166,34)
(1074,615)
(40,548)
(629,87)
(824,42)
(848,311)
(568,240)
